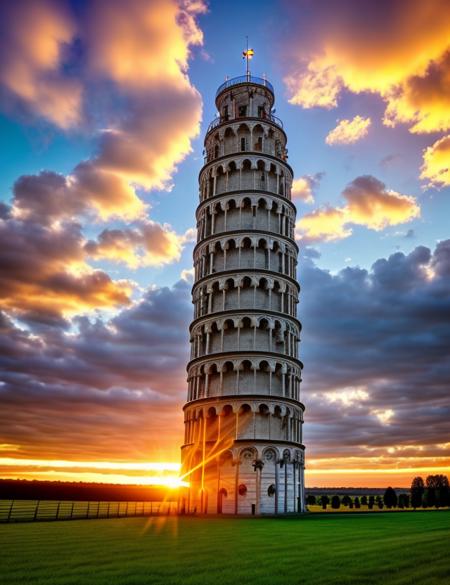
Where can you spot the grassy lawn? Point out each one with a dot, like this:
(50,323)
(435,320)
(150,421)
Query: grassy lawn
(381,548)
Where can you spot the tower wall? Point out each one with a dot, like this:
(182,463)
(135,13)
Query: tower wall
(243,450)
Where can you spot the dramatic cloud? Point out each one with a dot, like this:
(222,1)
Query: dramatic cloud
(49,196)
(369,203)
(150,114)
(348,131)
(304,187)
(135,66)
(423,100)
(32,65)
(323,225)
(124,43)
(43,271)
(375,348)
(400,54)
(147,244)
(436,163)
(106,390)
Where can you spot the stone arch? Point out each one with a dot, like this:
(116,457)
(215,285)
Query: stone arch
(243,135)
(245,422)
(228,377)
(229,335)
(213,379)
(229,140)
(220,179)
(246,213)
(246,376)
(258,138)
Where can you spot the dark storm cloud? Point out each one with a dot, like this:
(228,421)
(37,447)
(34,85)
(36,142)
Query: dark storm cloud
(373,342)
(43,271)
(375,346)
(103,390)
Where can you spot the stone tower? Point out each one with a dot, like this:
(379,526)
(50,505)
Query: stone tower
(243,451)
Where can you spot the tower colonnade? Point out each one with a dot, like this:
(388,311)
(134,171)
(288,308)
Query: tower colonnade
(243,450)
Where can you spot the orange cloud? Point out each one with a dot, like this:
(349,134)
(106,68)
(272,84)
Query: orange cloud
(154,111)
(323,225)
(105,193)
(145,44)
(31,62)
(148,244)
(423,100)
(436,163)
(303,188)
(144,50)
(400,54)
(48,196)
(43,270)
(369,204)
(348,131)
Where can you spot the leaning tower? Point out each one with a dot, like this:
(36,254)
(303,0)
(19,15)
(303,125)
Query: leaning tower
(243,451)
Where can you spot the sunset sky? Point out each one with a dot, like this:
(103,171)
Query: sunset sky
(103,109)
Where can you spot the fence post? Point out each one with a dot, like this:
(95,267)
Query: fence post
(135,507)
(126,511)
(87,511)
(36,510)
(118,509)
(57,510)
(107,511)
(71,510)
(10,511)
(98,508)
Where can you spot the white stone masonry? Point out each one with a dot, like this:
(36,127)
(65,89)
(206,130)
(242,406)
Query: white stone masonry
(243,450)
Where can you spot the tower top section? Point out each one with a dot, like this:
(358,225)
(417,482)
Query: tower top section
(247,79)
(242,97)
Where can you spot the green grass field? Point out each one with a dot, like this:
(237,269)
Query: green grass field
(383,548)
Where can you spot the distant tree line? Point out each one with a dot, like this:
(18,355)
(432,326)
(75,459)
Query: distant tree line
(11,489)
(434,492)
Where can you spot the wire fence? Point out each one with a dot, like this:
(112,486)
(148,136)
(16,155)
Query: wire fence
(48,510)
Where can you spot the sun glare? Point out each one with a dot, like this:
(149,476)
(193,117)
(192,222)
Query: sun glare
(164,474)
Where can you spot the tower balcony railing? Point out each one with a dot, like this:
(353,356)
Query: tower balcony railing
(222,119)
(245,79)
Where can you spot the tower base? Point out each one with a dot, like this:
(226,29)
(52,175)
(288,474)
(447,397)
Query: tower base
(245,480)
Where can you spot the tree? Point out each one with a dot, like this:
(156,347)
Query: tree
(324,501)
(430,497)
(417,491)
(371,502)
(390,498)
(380,502)
(364,501)
(346,500)
(445,491)
(403,501)
(335,502)
(437,490)
(357,503)
(311,500)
